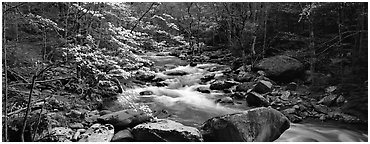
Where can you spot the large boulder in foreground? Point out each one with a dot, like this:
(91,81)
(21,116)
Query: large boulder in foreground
(280,68)
(166,131)
(254,125)
(125,118)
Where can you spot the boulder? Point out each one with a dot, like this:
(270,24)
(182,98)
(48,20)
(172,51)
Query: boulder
(331,100)
(238,95)
(280,68)
(123,136)
(203,90)
(164,130)
(175,73)
(244,87)
(193,64)
(254,125)
(322,109)
(255,99)
(147,92)
(159,84)
(263,87)
(243,77)
(220,85)
(144,76)
(225,100)
(207,77)
(125,118)
(98,133)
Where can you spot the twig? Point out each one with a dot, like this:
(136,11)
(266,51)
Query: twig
(42,81)
(132,29)
(38,121)
(338,42)
(28,108)
(22,109)
(16,6)
(17,75)
(30,96)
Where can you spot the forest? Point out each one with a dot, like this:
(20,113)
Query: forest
(184,71)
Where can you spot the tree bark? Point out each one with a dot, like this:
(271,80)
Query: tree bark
(312,45)
(6,80)
(265,31)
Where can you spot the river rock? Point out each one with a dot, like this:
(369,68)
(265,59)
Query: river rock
(243,77)
(175,72)
(61,134)
(239,95)
(123,136)
(104,112)
(340,100)
(91,116)
(292,86)
(344,117)
(203,90)
(98,133)
(144,76)
(255,99)
(220,85)
(225,100)
(166,130)
(285,95)
(244,87)
(76,136)
(254,125)
(207,77)
(293,117)
(263,87)
(322,108)
(193,64)
(280,68)
(329,100)
(147,92)
(76,125)
(125,118)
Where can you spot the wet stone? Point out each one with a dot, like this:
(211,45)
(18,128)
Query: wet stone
(146,93)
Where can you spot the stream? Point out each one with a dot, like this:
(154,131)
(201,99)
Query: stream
(179,101)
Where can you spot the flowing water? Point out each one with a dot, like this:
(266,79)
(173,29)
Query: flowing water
(182,103)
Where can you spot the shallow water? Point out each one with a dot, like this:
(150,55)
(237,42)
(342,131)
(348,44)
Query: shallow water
(185,105)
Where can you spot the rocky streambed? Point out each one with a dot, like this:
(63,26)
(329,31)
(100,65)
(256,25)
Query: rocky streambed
(210,102)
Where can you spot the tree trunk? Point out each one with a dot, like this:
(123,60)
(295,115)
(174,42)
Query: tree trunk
(312,49)
(66,22)
(265,31)
(6,82)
